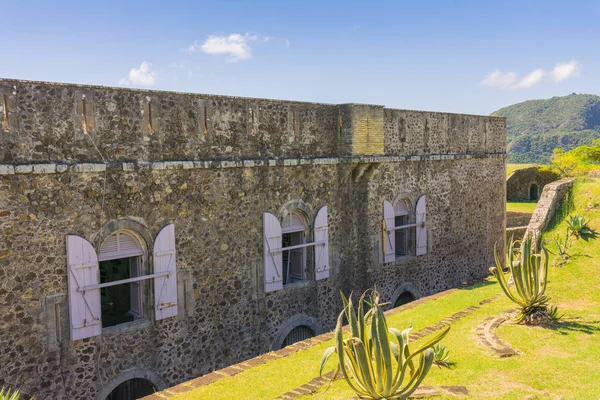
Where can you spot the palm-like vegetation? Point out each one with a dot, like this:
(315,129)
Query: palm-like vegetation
(373,366)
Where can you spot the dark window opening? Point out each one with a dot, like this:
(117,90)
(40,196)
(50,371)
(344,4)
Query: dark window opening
(534,192)
(120,303)
(401,245)
(298,334)
(294,265)
(132,389)
(404,298)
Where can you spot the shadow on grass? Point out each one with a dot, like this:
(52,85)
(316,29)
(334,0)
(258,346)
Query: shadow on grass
(566,327)
(472,286)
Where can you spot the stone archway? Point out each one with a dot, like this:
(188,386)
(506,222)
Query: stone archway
(136,377)
(297,322)
(405,293)
(534,192)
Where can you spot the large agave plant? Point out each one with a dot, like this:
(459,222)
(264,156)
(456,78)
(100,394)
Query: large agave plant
(529,271)
(7,394)
(373,366)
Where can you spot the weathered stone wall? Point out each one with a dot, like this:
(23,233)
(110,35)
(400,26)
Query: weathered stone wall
(214,184)
(549,202)
(515,219)
(518,184)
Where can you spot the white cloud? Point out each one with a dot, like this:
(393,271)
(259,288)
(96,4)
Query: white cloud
(236,46)
(143,76)
(532,78)
(500,79)
(560,72)
(564,71)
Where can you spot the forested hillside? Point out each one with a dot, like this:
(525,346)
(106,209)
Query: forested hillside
(537,127)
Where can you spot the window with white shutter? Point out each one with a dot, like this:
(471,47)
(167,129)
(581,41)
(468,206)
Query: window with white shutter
(272,260)
(165,285)
(421,220)
(84,302)
(108,289)
(389,234)
(321,244)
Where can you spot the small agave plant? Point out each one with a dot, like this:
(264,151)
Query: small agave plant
(373,366)
(441,356)
(579,226)
(529,271)
(7,394)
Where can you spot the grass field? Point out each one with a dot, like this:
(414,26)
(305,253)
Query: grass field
(528,207)
(554,363)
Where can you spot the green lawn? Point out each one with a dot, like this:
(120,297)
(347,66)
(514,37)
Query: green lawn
(528,207)
(510,168)
(562,362)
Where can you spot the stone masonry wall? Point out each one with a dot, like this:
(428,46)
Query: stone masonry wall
(213,178)
(520,181)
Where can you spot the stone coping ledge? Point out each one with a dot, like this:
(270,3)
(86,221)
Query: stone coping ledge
(52,168)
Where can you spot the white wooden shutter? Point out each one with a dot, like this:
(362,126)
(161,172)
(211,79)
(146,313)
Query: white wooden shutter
(84,307)
(165,287)
(273,262)
(321,251)
(421,228)
(389,237)
(135,288)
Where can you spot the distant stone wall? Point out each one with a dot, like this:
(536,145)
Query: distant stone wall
(551,199)
(515,219)
(519,183)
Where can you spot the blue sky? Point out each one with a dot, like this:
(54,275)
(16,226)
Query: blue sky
(456,56)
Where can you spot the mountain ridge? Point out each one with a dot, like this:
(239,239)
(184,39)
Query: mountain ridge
(536,127)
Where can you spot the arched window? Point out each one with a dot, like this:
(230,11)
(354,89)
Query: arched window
(401,217)
(293,232)
(404,298)
(121,257)
(132,389)
(299,333)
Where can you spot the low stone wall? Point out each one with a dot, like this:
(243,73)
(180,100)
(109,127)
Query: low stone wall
(517,219)
(515,233)
(549,202)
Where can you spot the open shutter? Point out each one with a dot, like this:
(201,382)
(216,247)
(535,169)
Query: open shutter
(273,262)
(84,307)
(421,228)
(165,287)
(389,237)
(135,288)
(321,251)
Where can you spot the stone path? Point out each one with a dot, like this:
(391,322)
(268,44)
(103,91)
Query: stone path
(485,332)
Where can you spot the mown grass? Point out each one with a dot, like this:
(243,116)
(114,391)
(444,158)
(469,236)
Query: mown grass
(559,362)
(528,207)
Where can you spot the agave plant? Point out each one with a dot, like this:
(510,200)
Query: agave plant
(529,271)
(7,394)
(441,356)
(562,249)
(373,366)
(579,226)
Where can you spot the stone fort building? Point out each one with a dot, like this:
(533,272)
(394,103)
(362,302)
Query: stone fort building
(150,237)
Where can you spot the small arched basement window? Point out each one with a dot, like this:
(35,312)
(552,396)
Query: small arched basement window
(534,192)
(132,389)
(401,216)
(404,298)
(121,257)
(299,333)
(293,232)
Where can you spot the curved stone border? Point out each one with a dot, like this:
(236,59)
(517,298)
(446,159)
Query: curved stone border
(291,323)
(133,373)
(485,332)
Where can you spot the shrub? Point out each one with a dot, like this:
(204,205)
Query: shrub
(579,226)
(529,271)
(441,356)
(373,366)
(7,394)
